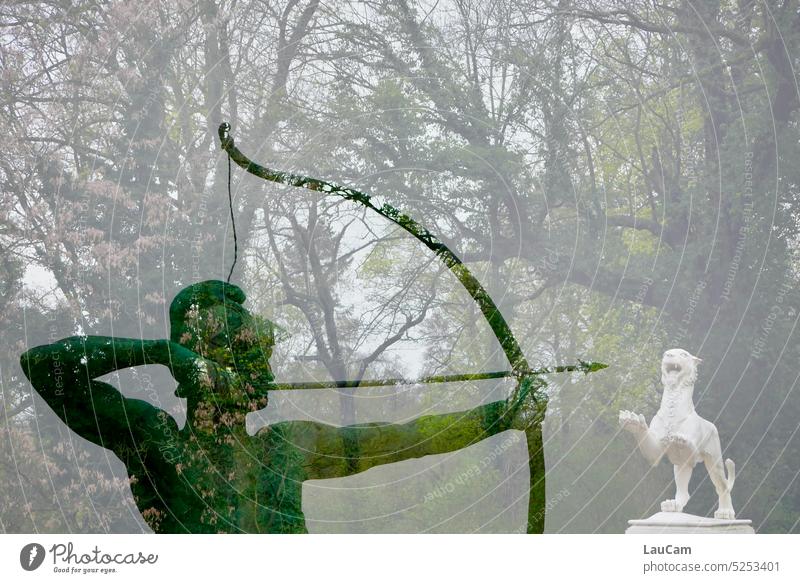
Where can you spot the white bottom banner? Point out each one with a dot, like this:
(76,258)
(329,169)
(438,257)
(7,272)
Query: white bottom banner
(356,558)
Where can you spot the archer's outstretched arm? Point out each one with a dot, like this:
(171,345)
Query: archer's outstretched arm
(324,450)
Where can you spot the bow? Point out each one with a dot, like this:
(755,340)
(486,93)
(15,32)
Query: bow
(529,382)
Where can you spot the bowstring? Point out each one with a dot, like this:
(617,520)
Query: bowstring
(233,222)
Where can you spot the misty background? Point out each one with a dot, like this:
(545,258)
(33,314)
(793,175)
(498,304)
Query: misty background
(623,178)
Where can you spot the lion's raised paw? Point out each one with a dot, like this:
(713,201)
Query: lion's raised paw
(630,421)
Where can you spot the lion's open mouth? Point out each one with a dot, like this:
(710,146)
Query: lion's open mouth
(672,367)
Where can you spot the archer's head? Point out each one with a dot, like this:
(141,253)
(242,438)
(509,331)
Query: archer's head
(209,318)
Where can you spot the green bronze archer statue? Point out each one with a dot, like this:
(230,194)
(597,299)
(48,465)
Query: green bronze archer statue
(211,476)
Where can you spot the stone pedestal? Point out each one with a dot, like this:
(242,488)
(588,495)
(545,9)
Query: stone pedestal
(682,523)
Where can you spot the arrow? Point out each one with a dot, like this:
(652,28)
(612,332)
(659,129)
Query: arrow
(585,367)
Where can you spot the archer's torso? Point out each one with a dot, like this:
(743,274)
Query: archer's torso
(216,479)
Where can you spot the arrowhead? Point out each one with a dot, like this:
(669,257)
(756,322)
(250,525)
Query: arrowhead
(588,367)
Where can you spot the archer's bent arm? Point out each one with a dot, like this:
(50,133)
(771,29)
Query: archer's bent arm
(88,357)
(64,374)
(323,446)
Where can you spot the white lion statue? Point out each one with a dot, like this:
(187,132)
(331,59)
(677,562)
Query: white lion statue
(680,433)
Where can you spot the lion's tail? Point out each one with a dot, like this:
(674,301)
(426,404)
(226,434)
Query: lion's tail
(731,467)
